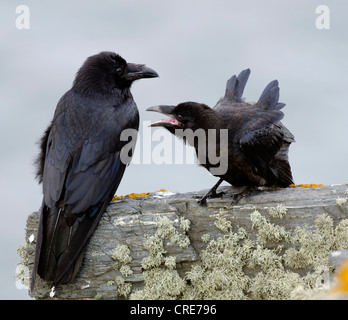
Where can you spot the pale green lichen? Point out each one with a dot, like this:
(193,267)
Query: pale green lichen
(123,288)
(167,230)
(205,237)
(22,270)
(267,231)
(22,276)
(121,254)
(152,261)
(22,252)
(170,262)
(341,201)
(302,293)
(223,224)
(265,259)
(182,242)
(154,244)
(314,246)
(319,277)
(165,227)
(185,224)
(122,257)
(295,259)
(216,283)
(160,284)
(341,235)
(274,284)
(221,273)
(278,212)
(126,271)
(160,279)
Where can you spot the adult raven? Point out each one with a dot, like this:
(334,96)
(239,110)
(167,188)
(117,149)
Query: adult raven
(80,165)
(257,142)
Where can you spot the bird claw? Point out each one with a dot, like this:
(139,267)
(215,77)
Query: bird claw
(245,193)
(237,197)
(202,201)
(210,195)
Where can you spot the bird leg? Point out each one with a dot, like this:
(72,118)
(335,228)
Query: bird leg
(211,193)
(245,193)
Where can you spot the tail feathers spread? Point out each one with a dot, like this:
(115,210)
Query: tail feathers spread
(235,86)
(270,96)
(59,250)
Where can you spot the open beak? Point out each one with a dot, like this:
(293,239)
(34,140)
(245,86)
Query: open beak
(168,123)
(139,71)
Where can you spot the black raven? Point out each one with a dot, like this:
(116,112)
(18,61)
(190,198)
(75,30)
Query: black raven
(256,141)
(80,165)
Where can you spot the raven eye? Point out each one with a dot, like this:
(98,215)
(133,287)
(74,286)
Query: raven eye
(119,70)
(180,117)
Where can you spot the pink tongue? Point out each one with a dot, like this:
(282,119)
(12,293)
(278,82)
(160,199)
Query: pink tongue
(171,120)
(168,120)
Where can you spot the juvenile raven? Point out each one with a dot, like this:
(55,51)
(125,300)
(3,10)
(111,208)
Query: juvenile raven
(80,165)
(257,142)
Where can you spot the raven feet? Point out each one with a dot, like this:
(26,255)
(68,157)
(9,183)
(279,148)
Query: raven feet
(245,193)
(211,194)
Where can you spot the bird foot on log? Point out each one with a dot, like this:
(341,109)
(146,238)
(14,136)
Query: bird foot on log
(211,195)
(244,194)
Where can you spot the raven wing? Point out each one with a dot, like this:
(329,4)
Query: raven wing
(267,149)
(265,141)
(82,170)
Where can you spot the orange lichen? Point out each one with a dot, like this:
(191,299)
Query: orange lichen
(310,185)
(342,277)
(131,195)
(135,195)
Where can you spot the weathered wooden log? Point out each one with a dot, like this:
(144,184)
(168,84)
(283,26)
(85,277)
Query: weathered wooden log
(274,244)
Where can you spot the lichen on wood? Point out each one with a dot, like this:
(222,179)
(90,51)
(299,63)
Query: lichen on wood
(273,245)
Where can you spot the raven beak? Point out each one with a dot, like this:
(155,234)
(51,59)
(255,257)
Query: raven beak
(167,110)
(167,123)
(139,71)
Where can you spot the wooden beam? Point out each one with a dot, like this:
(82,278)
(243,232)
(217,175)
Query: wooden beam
(273,245)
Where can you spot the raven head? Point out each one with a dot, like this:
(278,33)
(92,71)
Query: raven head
(107,70)
(186,115)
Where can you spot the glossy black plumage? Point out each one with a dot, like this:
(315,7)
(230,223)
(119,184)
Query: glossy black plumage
(80,165)
(258,142)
